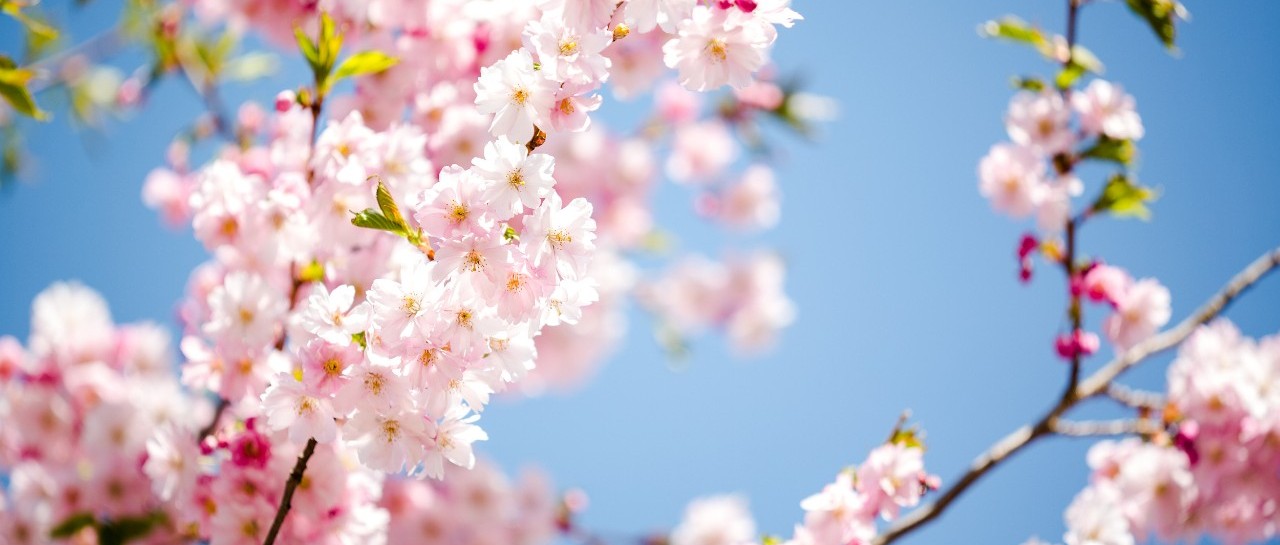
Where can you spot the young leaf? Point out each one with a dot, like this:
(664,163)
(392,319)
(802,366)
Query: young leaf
(909,438)
(72,524)
(308,48)
(387,204)
(372,219)
(1117,151)
(363,63)
(1159,15)
(1031,83)
(37,28)
(13,87)
(1122,198)
(124,530)
(1082,61)
(1014,29)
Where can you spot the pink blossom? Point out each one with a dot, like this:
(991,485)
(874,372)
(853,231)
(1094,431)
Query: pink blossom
(717,47)
(1106,283)
(1040,121)
(716,520)
(701,151)
(1140,311)
(515,94)
(1106,109)
(289,405)
(1012,177)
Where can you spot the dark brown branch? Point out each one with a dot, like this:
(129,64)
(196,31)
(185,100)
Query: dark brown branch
(286,501)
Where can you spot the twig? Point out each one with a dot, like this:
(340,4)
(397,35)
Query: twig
(1103,428)
(1136,399)
(286,501)
(213,423)
(1094,385)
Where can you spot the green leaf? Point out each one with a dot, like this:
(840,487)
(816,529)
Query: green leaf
(1082,62)
(363,63)
(372,219)
(13,87)
(1016,30)
(909,438)
(509,234)
(330,41)
(1116,151)
(308,47)
(1032,83)
(1123,198)
(1160,15)
(124,530)
(1068,76)
(360,339)
(72,525)
(37,28)
(387,204)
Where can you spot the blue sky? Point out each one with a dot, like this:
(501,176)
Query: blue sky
(904,278)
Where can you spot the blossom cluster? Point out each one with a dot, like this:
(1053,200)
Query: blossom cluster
(1213,473)
(384,261)
(742,295)
(99,434)
(843,513)
(1139,309)
(79,403)
(1032,174)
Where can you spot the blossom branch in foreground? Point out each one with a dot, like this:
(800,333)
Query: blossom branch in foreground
(1094,385)
(286,501)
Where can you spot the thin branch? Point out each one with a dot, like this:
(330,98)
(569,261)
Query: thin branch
(1094,385)
(1098,383)
(1103,428)
(1137,399)
(286,501)
(213,423)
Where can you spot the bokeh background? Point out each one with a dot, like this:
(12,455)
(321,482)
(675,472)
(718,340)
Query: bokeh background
(904,278)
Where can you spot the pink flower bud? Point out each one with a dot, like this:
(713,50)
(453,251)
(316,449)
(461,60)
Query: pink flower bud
(1078,343)
(747,5)
(285,100)
(1024,271)
(1027,245)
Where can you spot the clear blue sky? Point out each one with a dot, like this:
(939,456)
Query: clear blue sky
(903,277)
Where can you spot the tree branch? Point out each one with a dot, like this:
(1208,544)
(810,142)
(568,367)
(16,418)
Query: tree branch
(1094,385)
(1103,428)
(213,422)
(1100,380)
(286,501)
(1136,399)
